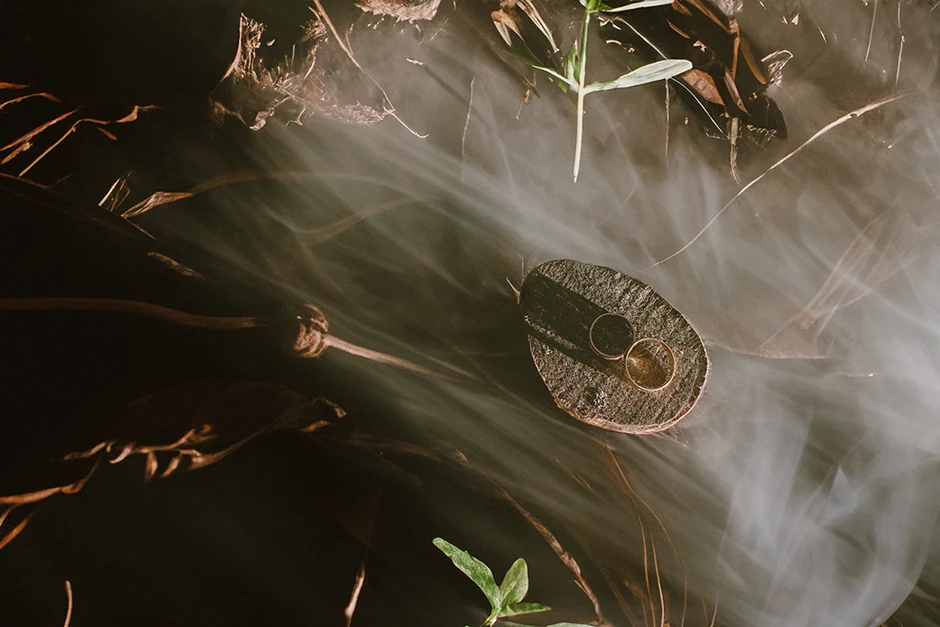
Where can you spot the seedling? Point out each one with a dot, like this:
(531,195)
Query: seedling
(506,598)
(574,70)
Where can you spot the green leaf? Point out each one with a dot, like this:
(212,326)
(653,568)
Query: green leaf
(477,571)
(515,584)
(492,618)
(660,70)
(572,63)
(525,608)
(645,4)
(593,6)
(554,76)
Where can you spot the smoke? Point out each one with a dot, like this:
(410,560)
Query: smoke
(802,490)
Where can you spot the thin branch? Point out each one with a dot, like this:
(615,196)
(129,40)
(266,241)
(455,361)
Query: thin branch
(68,612)
(839,122)
(133,307)
(376,356)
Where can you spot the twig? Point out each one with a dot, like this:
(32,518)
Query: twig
(377,356)
(466,124)
(132,307)
(666,148)
(839,122)
(354,598)
(715,612)
(897,75)
(68,595)
(871,33)
(17,530)
(224,323)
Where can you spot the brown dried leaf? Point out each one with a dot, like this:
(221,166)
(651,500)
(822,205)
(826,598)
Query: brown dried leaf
(752,62)
(733,90)
(704,85)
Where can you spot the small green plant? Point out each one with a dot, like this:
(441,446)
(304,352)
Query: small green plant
(574,69)
(506,598)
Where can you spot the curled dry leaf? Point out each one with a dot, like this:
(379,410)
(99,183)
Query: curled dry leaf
(179,429)
(314,79)
(704,86)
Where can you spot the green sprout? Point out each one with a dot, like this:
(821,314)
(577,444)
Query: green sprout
(506,598)
(574,70)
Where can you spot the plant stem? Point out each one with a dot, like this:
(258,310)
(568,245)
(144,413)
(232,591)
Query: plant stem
(582,62)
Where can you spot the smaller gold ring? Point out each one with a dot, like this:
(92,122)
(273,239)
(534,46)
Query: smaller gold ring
(599,352)
(672,364)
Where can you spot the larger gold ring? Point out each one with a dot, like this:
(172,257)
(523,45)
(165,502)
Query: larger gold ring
(650,364)
(628,343)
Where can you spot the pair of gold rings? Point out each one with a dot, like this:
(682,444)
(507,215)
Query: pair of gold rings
(650,363)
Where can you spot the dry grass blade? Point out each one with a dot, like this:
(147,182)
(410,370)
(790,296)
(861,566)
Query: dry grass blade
(633,493)
(42,94)
(321,12)
(861,259)
(839,122)
(871,32)
(354,598)
(36,131)
(29,498)
(130,117)
(659,585)
(328,232)
(163,198)
(17,530)
(466,124)
(565,557)
(528,7)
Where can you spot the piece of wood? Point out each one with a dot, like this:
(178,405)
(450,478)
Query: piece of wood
(560,300)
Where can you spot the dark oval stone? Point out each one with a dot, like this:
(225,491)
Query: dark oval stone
(561,299)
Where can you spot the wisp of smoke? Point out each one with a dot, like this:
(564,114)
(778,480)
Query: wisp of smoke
(802,490)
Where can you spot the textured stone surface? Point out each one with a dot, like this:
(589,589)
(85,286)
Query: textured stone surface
(560,300)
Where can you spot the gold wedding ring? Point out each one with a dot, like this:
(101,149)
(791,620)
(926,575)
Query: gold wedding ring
(610,322)
(650,364)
